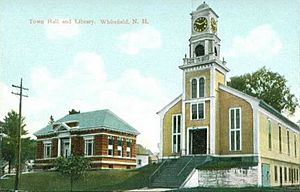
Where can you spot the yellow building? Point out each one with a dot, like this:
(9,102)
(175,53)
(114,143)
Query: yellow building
(210,118)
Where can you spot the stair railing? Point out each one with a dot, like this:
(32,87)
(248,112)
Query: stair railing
(156,172)
(185,166)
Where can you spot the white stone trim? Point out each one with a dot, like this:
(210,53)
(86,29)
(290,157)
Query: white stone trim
(259,179)
(197,100)
(183,137)
(114,162)
(188,137)
(48,141)
(212,127)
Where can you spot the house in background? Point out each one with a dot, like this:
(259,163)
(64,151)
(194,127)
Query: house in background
(103,137)
(210,120)
(143,156)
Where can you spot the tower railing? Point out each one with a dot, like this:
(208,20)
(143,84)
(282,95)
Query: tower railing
(199,59)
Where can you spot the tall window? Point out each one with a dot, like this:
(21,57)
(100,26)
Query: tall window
(88,147)
(194,88)
(120,147)
(198,87)
(235,129)
(128,148)
(176,126)
(279,136)
(47,150)
(288,141)
(197,111)
(110,151)
(270,134)
(285,174)
(275,174)
(295,145)
(201,87)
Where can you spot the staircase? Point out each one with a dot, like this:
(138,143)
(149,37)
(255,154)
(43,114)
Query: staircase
(173,172)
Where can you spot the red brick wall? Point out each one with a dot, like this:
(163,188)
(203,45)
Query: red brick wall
(100,145)
(39,150)
(124,147)
(133,148)
(77,145)
(115,146)
(54,147)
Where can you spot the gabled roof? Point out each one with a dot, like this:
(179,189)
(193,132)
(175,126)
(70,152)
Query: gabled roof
(101,119)
(261,104)
(276,113)
(168,106)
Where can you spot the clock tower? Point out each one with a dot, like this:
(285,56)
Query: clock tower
(204,39)
(203,71)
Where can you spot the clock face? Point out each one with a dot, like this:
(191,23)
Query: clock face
(213,25)
(200,24)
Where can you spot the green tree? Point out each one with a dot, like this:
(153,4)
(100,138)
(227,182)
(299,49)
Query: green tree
(72,167)
(268,86)
(10,128)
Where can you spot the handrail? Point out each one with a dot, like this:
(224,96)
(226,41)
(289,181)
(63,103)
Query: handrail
(156,171)
(185,166)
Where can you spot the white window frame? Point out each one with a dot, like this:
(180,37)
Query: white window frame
(235,129)
(197,87)
(192,88)
(191,110)
(176,134)
(110,147)
(128,149)
(88,140)
(203,87)
(119,148)
(47,146)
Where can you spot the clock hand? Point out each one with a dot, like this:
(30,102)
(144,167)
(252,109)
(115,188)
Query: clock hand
(200,23)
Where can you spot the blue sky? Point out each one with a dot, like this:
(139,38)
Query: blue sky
(131,69)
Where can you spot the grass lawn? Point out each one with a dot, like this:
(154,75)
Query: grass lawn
(102,180)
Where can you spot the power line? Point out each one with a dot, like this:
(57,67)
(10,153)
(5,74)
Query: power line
(18,168)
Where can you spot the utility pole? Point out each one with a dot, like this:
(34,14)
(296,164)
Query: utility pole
(18,168)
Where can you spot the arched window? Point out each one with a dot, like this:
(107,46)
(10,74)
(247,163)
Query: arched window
(201,87)
(216,52)
(199,50)
(194,88)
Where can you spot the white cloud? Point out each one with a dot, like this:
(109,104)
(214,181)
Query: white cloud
(145,38)
(262,43)
(61,31)
(84,86)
